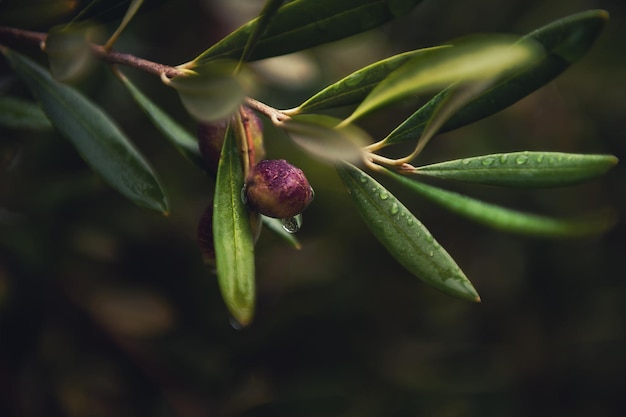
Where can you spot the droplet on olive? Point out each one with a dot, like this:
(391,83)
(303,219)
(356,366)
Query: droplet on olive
(275,188)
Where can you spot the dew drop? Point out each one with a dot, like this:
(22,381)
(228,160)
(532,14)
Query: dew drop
(383,195)
(431,253)
(292,224)
(243,195)
(503,158)
(488,161)
(521,159)
(466,161)
(395,208)
(363,179)
(235,324)
(539,159)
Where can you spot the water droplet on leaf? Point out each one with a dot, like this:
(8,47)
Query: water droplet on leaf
(292,224)
(521,159)
(395,208)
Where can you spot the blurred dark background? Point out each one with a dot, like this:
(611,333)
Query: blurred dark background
(107,310)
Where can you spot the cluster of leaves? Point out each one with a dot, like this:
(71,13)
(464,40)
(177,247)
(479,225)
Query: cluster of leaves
(472,78)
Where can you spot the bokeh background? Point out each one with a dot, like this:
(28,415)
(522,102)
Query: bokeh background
(107,310)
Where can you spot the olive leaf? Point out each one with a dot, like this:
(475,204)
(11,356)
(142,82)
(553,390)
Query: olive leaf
(69,52)
(16,113)
(476,58)
(320,136)
(404,236)
(212,92)
(353,88)
(302,24)
(564,41)
(132,10)
(234,243)
(185,142)
(269,11)
(96,137)
(505,219)
(522,169)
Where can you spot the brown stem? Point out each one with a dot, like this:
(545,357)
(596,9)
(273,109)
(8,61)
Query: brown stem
(14,35)
(150,67)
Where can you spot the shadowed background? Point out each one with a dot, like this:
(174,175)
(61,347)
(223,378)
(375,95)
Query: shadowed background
(107,310)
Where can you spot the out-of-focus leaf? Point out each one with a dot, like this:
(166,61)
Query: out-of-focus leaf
(16,113)
(477,58)
(356,86)
(276,226)
(184,141)
(320,136)
(506,219)
(303,24)
(523,169)
(404,236)
(68,52)
(269,11)
(461,94)
(565,41)
(133,8)
(96,137)
(35,13)
(213,92)
(234,244)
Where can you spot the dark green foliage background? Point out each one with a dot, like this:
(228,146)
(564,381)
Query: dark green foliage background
(107,310)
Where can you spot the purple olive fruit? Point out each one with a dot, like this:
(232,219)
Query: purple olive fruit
(275,188)
(210,141)
(211,138)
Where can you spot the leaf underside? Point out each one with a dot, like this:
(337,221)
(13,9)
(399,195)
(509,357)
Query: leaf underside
(508,220)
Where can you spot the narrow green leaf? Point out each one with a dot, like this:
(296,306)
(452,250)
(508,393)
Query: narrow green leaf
(276,226)
(302,24)
(320,136)
(404,236)
(185,142)
(96,137)
(269,11)
(523,169)
(234,244)
(565,41)
(212,92)
(506,219)
(356,86)
(133,8)
(477,58)
(16,113)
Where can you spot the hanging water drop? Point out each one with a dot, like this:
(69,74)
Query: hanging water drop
(292,224)
(234,323)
